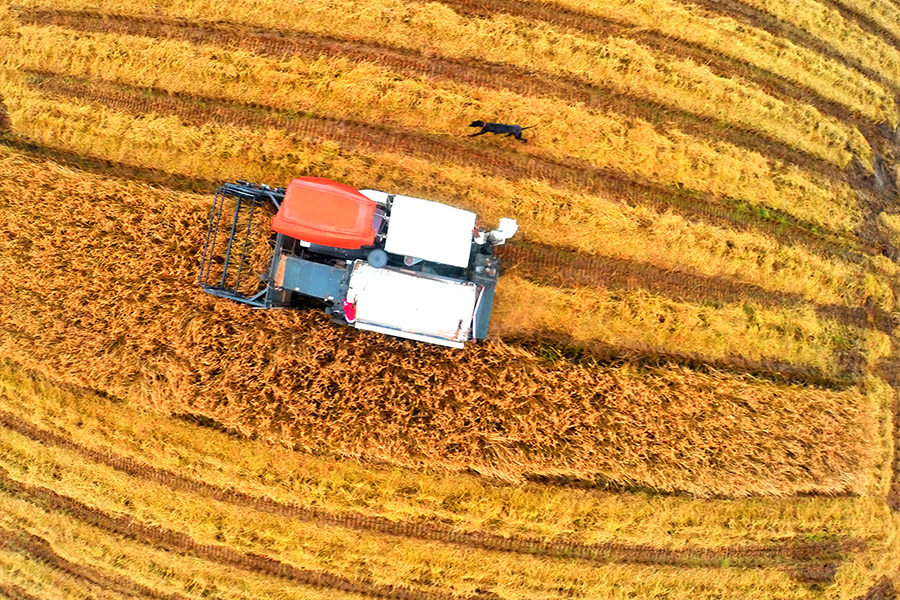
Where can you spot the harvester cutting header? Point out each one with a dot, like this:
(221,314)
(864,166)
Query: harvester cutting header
(394,264)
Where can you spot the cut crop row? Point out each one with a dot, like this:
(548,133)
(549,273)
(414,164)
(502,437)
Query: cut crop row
(738,556)
(569,175)
(618,63)
(823,30)
(193,576)
(171,540)
(786,71)
(41,551)
(422,112)
(470,72)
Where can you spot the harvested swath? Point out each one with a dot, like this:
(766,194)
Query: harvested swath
(875,22)
(570,174)
(555,346)
(481,73)
(170,540)
(773,83)
(755,17)
(617,61)
(568,268)
(744,556)
(122,316)
(40,550)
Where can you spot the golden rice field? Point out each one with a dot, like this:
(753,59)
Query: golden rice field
(690,389)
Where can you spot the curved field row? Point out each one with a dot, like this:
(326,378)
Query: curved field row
(125,559)
(422,109)
(788,344)
(178,541)
(618,63)
(472,73)
(548,215)
(571,175)
(213,576)
(41,551)
(880,17)
(310,553)
(817,26)
(739,556)
(456,502)
(776,65)
(26,577)
(114,308)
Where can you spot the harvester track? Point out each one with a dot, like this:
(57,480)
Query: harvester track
(864,21)
(478,73)
(568,268)
(40,550)
(170,540)
(733,556)
(571,174)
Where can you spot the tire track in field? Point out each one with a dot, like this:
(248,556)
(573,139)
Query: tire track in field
(743,556)
(720,64)
(477,73)
(40,550)
(170,540)
(569,174)
(14,592)
(553,345)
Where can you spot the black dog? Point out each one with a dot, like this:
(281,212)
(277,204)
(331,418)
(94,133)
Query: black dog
(514,130)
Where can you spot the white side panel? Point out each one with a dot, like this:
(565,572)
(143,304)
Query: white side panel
(410,336)
(431,231)
(410,303)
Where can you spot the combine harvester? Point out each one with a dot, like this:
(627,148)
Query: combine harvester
(388,263)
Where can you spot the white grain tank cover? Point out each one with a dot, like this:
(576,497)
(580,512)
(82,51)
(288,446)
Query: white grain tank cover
(412,305)
(431,231)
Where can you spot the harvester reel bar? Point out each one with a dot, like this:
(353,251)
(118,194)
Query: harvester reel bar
(244,194)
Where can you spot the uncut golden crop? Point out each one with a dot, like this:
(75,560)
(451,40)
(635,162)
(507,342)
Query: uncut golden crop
(118,309)
(619,63)
(339,89)
(587,223)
